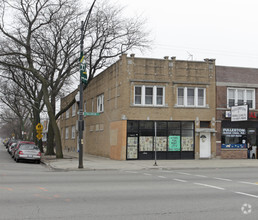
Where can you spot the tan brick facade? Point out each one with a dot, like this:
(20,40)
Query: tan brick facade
(106,135)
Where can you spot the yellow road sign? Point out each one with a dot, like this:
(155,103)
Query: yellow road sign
(39,136)
(39,126)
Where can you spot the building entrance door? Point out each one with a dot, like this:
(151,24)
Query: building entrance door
(205,145)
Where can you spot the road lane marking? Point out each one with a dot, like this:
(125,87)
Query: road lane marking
(147,174)
(130,171)
(179,180)
(162,177)
(217,178)
(188,174)
(246,194)
(248,183)
(201,176)
(206,185)
(167,171)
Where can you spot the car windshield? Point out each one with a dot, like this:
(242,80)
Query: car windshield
(28,147)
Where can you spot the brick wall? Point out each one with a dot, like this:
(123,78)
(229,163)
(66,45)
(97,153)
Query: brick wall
(233,154)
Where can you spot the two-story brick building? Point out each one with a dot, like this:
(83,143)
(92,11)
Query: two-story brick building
(236,87)
(136,95)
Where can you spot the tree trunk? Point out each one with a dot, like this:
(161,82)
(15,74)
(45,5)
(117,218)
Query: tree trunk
(50,140)
(59,152)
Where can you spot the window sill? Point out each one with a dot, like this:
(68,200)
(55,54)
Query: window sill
(149,106)
(201,107)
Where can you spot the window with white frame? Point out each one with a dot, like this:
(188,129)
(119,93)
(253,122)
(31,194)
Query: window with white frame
(149,95)
(73,132)
(66,133)
(100,103)
(67,114)
(74,109)
(240,96)
(191,97)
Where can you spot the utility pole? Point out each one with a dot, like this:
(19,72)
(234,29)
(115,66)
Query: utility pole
(83,80)
(81,121)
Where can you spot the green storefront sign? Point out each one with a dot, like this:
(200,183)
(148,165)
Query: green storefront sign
(174,143)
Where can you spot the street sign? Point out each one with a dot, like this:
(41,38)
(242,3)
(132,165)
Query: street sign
(91,113)
(39,127)
(39,136)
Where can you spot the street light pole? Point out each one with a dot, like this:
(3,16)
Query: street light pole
(81,121)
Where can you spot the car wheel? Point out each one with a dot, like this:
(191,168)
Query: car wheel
(253,156)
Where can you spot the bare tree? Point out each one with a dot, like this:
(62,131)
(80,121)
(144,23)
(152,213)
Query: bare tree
(43,42)
(16,112)
(40,59)
(108,34)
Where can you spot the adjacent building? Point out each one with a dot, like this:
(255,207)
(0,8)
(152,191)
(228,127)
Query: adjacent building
(236,86)
(166,106)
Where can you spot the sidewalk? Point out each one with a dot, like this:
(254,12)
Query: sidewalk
(91,162)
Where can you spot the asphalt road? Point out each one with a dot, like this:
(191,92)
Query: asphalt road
(33,191)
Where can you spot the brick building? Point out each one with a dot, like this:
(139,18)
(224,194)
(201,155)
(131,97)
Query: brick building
(236,87)
(136,95)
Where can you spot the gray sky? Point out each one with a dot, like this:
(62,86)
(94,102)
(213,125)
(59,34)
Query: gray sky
(226,30)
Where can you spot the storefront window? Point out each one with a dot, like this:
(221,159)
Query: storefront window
(187,140)
(174,139)
(132,126)
(233,138)
(187,125)
(161,144)
(132,147)
(146,143)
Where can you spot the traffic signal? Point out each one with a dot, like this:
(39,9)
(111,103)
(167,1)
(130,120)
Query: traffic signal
(39,129)
(83,73)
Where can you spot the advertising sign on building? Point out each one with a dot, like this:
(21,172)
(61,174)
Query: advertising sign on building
(174,143)
(239,113)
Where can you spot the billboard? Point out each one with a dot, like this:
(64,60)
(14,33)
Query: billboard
(239,113)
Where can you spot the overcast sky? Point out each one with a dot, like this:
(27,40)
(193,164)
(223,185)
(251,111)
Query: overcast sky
(226,30)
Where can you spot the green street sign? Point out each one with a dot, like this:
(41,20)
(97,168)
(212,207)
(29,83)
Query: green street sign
(91,113)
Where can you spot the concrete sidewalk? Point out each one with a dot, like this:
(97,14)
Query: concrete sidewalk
(91,162)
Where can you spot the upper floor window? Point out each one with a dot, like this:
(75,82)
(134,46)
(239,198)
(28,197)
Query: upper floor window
(74,109)
(100,103)
(240,97)
(191,97)
(66,133)
(149,95)
(73,132)
(67,113)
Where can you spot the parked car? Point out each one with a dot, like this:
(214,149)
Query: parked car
(9,149)
(27,151)
(10,142)
(17,146)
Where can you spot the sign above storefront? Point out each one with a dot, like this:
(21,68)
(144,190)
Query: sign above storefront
(233,132)
(239,113)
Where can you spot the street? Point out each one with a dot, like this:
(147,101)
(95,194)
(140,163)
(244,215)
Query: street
(33,191)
